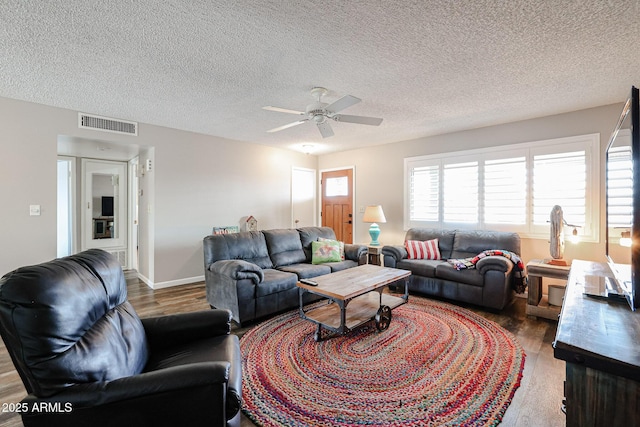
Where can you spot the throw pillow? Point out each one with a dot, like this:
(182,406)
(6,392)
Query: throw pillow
(322,239)
(422,250)
(322,252)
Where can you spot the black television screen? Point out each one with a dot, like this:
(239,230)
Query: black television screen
(622,216)
(107,205)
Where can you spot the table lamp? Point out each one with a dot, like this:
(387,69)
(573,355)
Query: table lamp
(374,214)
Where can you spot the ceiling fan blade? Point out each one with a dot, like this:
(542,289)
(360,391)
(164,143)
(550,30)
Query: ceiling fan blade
(363,120)
(290,125)
(325,129)
(342,103)
(282,110)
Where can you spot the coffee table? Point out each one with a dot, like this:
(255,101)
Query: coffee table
(361,290)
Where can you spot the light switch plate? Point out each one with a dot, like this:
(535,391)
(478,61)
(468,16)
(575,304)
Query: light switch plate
(34,210)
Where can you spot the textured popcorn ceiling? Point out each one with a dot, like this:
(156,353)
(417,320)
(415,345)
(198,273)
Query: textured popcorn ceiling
(426,67)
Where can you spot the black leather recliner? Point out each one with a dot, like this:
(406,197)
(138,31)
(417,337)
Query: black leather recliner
(87,359)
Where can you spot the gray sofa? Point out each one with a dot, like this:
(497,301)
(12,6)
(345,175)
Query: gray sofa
(254,274)
(489,284)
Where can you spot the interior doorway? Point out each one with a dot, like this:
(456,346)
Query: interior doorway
(337,202)
(303,197)
(125,243)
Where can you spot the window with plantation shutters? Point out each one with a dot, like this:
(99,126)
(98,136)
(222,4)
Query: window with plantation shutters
(511,188)
(620,187)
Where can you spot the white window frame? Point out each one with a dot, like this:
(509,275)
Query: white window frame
(589,143)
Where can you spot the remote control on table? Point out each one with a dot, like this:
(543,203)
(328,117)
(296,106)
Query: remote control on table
(308,282)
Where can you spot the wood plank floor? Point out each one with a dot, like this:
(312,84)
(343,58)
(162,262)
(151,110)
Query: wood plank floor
(536,403)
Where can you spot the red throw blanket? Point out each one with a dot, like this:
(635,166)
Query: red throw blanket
(519,282)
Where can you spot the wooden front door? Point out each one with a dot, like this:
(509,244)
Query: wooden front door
(337,203)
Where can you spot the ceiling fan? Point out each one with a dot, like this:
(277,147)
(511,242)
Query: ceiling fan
(318,112)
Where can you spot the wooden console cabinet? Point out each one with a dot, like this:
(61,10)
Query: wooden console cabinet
(599,340)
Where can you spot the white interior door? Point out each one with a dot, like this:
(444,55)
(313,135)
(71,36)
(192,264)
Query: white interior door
(104,207)
(303,197)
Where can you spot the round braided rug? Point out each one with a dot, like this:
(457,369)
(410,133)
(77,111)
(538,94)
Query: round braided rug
(437,364)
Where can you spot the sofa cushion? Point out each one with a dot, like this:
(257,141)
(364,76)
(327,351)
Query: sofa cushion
(325,251)
(306,271)
(342,265)
(445,238)
(276,281)
(420,267)
(469,243)
(447,271)
(250,246)
(284,247)
(417,249)
(313,234)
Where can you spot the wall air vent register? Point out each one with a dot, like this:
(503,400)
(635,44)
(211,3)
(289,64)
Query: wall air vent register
(106,124)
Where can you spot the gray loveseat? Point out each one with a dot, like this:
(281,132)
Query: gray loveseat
(488,284)
(254,274)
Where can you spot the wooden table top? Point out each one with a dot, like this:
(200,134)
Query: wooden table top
(597,332)
(352,282)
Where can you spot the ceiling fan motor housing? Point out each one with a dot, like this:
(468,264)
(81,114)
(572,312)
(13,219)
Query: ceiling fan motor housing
(316,111)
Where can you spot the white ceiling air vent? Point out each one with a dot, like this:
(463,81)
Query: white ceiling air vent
(106,124)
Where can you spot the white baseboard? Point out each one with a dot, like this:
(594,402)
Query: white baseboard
(145,279)
(170,283)
(178,282)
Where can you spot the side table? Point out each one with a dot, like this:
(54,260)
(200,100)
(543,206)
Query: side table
(375,255)
(538,304)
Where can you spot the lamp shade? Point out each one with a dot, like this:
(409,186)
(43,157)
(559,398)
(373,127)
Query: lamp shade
(374,214)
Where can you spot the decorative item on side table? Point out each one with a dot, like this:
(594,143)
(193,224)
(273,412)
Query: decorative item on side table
(556,238)
(374,214)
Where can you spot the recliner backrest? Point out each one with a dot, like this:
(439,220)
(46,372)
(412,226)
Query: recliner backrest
(68,322)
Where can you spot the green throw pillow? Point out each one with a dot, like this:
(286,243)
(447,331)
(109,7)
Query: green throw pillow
(326,251)
(322,239)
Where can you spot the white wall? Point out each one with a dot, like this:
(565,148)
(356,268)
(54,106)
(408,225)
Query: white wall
(197,182)
(379,170)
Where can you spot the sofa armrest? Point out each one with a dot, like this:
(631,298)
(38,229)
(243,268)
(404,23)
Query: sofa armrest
(238,269)
(174,329)
(397,252)
(494,262)
(354,252)
(392,254)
